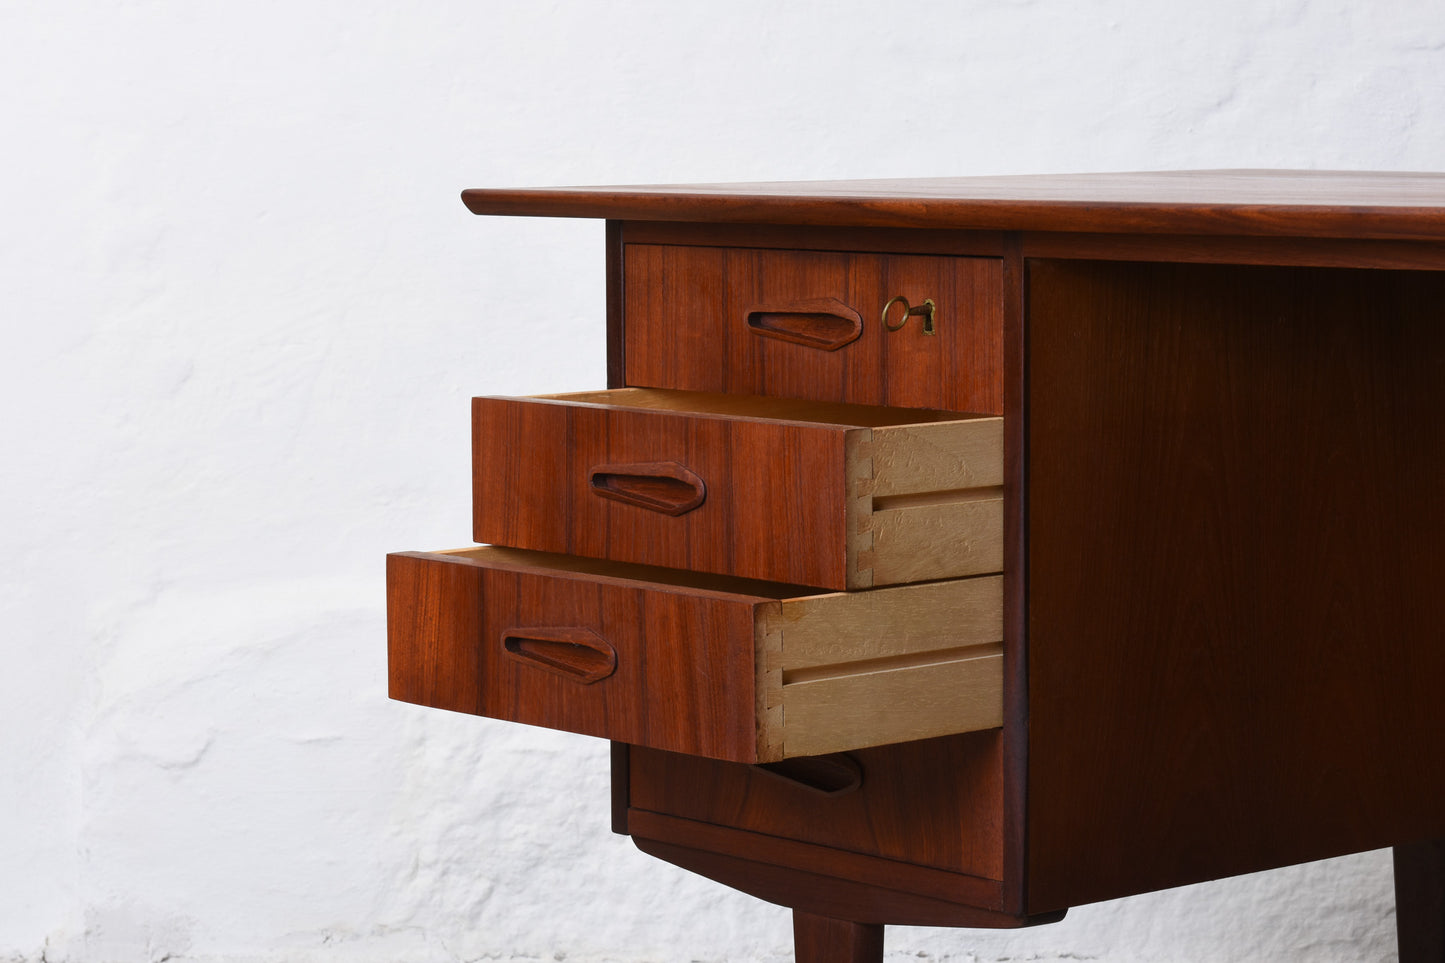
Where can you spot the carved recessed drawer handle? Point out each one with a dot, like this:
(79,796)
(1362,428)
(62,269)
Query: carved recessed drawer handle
(926,310)
(835,774)
(823,323)
(580,655)
(658,486)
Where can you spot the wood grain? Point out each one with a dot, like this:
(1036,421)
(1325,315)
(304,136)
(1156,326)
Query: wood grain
(616,364)
(433,619)
(1236,522)
(848,670)
(832,630)
(815,892)
(619,799)
(825,324)
(686,326)
(823,939)
(770,486)
(751,478)
(928,458)
(1015,603)
(934,803)
(893,701)
(1230,202)
(936,502)
(599,649)
(1235,529)
(448,616)
(853,867)
(1281,251)
(1420,901)
(942,540)
(793,411)
(802,237)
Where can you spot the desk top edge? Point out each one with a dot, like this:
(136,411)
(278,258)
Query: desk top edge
(1261,203)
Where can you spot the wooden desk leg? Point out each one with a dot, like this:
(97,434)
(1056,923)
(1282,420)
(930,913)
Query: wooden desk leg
(822,939)
(1420,902)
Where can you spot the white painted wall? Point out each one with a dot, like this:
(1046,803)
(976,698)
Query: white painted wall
(243,311)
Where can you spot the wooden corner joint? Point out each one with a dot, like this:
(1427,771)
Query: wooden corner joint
(859,507)
(769,682)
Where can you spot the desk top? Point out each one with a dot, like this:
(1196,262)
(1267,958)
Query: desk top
(1249,203)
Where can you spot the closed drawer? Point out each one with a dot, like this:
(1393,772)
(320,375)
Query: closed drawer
(721,667)
(808,324)
(934,802)
(831,495)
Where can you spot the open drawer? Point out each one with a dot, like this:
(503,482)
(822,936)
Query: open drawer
(715,666)
(835,495)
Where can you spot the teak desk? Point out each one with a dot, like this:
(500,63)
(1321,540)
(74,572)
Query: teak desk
(871,651)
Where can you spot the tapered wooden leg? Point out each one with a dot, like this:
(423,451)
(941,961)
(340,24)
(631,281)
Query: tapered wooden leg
(822,939)
(1420,902)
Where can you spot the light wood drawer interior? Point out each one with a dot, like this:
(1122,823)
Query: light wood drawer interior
(838,496)
(716,666)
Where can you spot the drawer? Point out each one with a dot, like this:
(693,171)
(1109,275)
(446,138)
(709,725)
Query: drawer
(808,324)
(934,802)
(714,666)
(831,495)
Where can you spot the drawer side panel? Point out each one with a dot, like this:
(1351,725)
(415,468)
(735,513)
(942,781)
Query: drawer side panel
(1235,570)
(960,692)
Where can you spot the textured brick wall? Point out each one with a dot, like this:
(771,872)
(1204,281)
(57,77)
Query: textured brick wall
(244,309)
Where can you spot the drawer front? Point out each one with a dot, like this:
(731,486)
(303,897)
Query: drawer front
(806,324)
(933,803)
(726,668)
(477,632)
(836,496)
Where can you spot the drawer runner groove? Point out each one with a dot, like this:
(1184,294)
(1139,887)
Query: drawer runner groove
(823,673)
